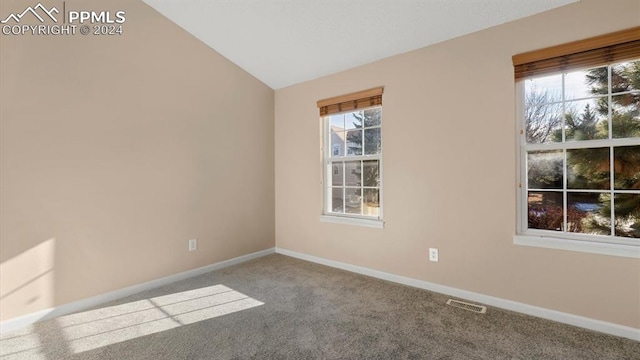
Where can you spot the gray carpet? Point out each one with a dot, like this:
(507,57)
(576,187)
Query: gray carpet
(278,307)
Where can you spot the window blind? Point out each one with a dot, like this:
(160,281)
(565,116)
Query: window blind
(599,50)
(350,102)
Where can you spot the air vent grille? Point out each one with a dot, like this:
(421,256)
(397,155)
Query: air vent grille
(467,306)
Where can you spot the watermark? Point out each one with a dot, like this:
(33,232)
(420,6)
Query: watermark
(58,20)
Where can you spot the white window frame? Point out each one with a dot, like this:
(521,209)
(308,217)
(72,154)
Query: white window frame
(327,164)
(595,244)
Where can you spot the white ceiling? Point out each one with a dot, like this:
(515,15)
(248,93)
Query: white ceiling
(285,42)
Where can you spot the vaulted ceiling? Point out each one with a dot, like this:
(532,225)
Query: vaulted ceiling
(285,42)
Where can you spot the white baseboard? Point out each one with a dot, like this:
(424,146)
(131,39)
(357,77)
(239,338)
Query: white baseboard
(80,305)
(571,319)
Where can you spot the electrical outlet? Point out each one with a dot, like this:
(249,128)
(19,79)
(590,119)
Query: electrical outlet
(193,244)
(433,254)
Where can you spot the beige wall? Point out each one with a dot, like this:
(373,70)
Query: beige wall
(450,171)
(117,150)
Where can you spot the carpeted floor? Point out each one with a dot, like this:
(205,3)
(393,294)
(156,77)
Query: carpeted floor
(278,307)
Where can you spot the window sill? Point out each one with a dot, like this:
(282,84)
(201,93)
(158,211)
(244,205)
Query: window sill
(630,251)
(372,223)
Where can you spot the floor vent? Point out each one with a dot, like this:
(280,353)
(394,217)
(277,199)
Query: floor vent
(467,306)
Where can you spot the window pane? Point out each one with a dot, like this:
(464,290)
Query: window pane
(372,117)
(349,134)
(626,167)
(336,173)
(337,200)
(337,122)
(353,201)
(625,76)
(588,169)
(337,143)
(582,105)
(585,83)
(545,84)
(544,169)
(586,119)
(371,173)
(372,141)
(625,114)
(543,109)
(354,142)
(545,210)
(589,213)
(353,172)
(371,202)
(353,120)
(543,121)
(627,212)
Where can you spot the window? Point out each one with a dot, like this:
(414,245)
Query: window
(336,149)
(579,151)
(352,157)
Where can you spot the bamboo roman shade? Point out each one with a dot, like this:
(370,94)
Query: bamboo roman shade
(599,50)
(350,102)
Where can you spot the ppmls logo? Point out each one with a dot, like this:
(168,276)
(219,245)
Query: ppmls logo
(34,12)
(40,20)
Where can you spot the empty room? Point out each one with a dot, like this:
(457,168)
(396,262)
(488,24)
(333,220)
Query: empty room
(320,179)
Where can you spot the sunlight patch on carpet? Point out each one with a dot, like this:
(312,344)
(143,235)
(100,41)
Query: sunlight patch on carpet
(94,329)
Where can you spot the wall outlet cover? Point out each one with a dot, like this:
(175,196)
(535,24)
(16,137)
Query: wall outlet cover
(433,254)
